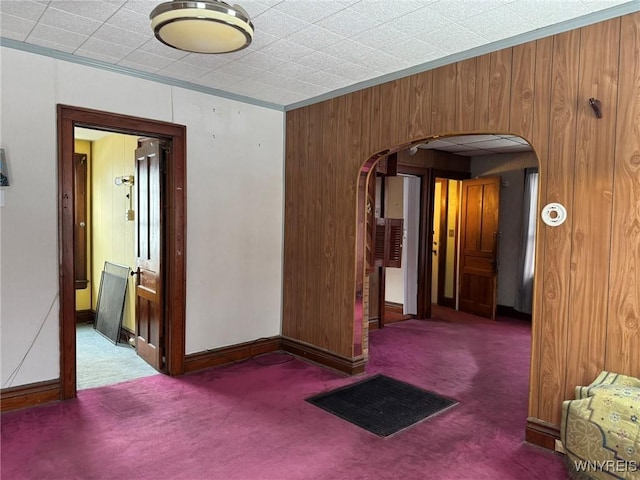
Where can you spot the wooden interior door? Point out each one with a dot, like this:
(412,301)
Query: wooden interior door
(479,246)
(149,224)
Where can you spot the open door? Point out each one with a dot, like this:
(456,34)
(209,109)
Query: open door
(149,225)
(479,246)
(411,243)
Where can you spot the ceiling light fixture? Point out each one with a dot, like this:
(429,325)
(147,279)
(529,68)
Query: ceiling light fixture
(205,26)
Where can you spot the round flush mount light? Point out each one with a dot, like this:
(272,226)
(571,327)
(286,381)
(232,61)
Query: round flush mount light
(206,26)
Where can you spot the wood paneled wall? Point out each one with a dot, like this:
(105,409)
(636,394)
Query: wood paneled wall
(587,291)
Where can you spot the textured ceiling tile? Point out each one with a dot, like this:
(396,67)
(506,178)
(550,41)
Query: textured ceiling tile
(93,45)
(261,60)
(68,21)
(55,35)
(315,37)
(83,52)
(325,79)
(260,40)
(253,8)
(497,24)
(420,22)
(218,80)
(131,20)
(295,70)
(183,71)
(286,50)
(205,61)
(460,9)
(381,37)
(452,40)
(241,70)
(351,71)
(95,10)
(414,51)
(362,55)
(144,58)
(545,12)
(277,24)
(311,11)
(388,10)
(22,9)
(15,27)
(347,23)
(156,47)
(112,34)
(595,5)
(319,60)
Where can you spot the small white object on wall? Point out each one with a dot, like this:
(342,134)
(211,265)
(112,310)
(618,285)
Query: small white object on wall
(554,214)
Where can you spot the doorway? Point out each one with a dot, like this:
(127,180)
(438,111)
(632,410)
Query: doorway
(107,225)
(445,169)
(173,236)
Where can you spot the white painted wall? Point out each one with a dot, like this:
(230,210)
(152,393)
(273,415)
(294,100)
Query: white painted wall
(234,207)
(510,167)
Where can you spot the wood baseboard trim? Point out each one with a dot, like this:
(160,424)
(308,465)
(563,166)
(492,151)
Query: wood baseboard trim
(323,357)
(30,395)
(393,307)
(542,434)
(127,336)
(85,316)
(374,324)
(230,354)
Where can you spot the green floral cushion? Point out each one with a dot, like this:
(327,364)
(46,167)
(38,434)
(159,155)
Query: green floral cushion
(601,429)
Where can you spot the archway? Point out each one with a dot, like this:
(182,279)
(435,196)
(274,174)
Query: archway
(467,147)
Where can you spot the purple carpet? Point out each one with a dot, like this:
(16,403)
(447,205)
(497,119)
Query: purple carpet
(250,421)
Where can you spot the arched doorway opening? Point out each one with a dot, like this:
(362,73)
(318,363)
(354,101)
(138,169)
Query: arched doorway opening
(441,166)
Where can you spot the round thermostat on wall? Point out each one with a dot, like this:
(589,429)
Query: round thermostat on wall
(554,214)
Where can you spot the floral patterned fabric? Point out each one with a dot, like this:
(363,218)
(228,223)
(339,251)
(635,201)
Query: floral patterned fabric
(601,429)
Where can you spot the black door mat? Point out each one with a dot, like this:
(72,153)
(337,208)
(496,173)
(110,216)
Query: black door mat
(381,404)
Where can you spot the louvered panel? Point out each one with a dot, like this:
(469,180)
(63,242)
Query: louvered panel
(379,243)
(394,255)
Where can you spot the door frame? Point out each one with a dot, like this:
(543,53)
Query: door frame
(174,237)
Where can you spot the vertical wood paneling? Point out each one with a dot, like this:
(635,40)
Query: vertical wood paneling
(390,105)
(296,124)
(465,95)
(403,113)
(522,80)
(539,140)
(420,105)
(366,114)
(483,79)
(328,203)
(443,99)
(535,90)
(376,118)
(556,269)
(500,90)
(351,332)
(623,338)
(593,193)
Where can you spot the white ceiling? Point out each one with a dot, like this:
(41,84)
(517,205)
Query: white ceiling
(477,145)
(303,50)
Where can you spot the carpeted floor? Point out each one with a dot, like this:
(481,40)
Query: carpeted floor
(250,421)
(100,362)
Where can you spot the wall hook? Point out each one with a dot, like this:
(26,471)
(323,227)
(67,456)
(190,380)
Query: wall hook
(595,104)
